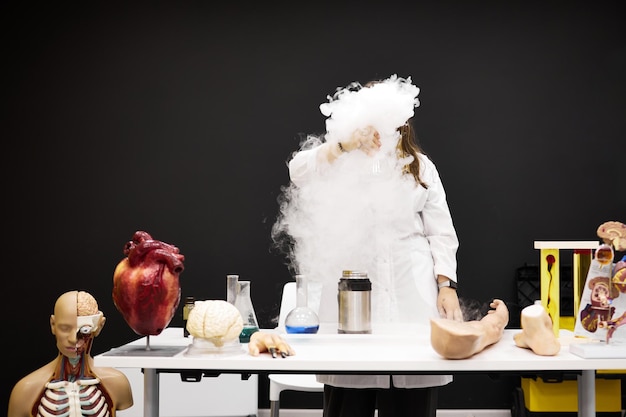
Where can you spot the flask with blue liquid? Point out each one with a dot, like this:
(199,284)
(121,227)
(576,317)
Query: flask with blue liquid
(302,319)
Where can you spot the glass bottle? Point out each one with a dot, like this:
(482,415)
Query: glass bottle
(190,302)
(243,302)
(302,319)
(231,287)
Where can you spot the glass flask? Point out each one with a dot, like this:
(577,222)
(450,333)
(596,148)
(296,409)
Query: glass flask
(302,319)
(232,281)
(243,302)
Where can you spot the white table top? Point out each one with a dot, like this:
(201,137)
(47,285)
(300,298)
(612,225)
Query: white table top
(386,350)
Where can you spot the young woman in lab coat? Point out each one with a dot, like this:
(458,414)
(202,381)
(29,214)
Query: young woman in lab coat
(366,197)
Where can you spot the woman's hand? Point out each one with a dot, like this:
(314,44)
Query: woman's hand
(366,139)
(269,342)
(448,304)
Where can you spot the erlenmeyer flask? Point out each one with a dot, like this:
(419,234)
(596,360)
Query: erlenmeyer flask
(302,319)
(243,302)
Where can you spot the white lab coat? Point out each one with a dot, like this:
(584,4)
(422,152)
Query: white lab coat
(411,241)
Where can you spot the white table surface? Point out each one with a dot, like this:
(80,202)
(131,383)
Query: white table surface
(389,349)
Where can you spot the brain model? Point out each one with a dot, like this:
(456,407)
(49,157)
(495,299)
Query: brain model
(613,233)
(86,305)
(215,320)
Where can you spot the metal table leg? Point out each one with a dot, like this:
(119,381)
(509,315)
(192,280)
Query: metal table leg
(587,394)
(150,393)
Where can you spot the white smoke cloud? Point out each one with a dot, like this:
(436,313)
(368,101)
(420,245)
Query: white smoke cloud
(336,220)
(385,105)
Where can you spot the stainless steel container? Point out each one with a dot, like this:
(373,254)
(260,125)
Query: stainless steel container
(354,298)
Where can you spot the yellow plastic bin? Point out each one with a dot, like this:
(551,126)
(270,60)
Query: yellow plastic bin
(562,396)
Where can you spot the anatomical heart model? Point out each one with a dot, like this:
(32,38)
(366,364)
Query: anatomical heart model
(146,287)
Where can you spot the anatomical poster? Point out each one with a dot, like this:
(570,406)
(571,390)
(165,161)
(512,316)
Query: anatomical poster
(602,312)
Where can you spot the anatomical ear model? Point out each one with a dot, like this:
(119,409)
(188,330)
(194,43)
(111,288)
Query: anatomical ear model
(537,333)
(461,339)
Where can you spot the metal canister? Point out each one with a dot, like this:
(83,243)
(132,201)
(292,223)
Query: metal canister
(354,298)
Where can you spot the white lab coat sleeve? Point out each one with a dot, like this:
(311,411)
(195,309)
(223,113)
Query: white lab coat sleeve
(303,165)
(438,226)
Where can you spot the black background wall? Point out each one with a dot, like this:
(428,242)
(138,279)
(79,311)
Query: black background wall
(178,118)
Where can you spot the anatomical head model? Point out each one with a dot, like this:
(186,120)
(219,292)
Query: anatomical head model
(70,384)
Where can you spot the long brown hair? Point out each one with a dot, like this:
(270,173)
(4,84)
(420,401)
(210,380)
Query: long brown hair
(407,146)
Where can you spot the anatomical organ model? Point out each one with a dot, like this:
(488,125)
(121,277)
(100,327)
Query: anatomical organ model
(603,302)
(146,286)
